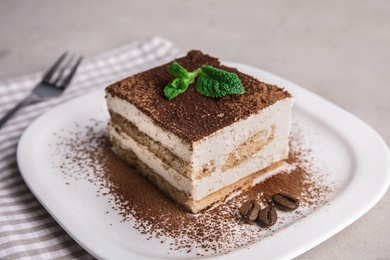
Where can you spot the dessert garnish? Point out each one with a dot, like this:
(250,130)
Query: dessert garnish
(212,82)
(284,201)
(250,210)
(268,216)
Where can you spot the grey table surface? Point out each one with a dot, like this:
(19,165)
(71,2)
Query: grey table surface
(337,49)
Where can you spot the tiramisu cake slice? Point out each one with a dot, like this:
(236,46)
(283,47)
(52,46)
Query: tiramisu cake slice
(199,149)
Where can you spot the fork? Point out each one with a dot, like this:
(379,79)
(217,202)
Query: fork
(53,83)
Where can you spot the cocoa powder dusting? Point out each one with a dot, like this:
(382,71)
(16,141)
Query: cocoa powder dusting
(87,155)
(192,116)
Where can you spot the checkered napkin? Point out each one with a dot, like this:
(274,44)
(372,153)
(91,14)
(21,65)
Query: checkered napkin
(27,231)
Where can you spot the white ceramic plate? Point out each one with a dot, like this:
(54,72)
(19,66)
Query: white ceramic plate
(354,154)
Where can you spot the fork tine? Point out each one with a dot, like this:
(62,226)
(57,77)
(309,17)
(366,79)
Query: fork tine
(53,68)
(69,78)
(62,69)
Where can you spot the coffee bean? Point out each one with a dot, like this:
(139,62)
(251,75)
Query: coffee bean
(268,216)
(285,201)
(249,210)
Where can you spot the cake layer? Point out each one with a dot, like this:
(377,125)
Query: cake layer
(181,197)
(199,188)
(219,152)
(164,154)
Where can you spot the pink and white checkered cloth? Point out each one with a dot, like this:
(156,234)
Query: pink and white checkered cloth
(27,231)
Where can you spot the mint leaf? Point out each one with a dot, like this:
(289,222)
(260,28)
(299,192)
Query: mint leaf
(218,83)
(212,82)
(177,70)
(211,88)
(170,92)
(176,87)
(180,84)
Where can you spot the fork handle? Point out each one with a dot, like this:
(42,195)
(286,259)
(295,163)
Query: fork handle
(11,112)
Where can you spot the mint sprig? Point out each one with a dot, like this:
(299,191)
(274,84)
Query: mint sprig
(212,82)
